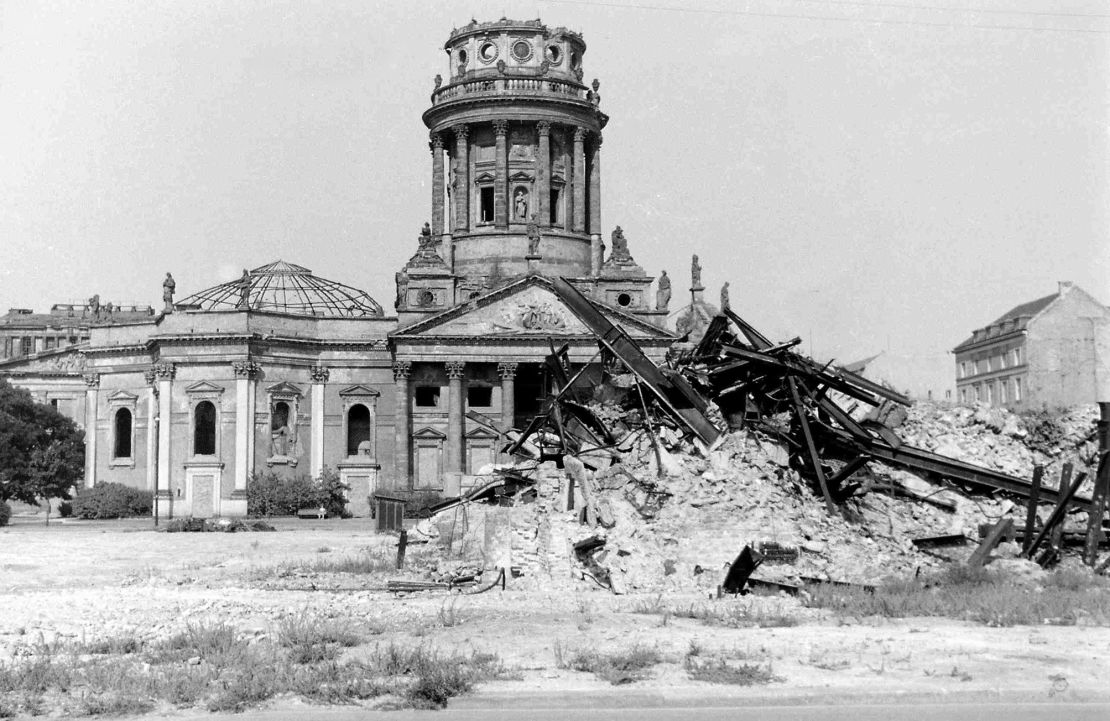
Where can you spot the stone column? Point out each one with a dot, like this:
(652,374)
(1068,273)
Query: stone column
(402,451)
(543,175)
(507,371)
(595,185)
(436,146)
(92,384)
(151,428)
(455,421)
(320,377)
(164,373)
(596,253)
(462,179)
(245,371)
(578,180)
(501,175)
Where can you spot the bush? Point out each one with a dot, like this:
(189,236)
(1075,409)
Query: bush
(269,494)
(5,513)
(112,500)
(65,509)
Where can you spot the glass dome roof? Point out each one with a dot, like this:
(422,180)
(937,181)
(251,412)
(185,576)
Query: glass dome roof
(282,287)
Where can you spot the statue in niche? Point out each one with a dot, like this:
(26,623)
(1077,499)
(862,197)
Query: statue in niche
(282,434)
(695,272)
(168,287)
(663,293)
(724,297)
(94,306)
(243,285)
(533,236)
(620,247)
(520,204)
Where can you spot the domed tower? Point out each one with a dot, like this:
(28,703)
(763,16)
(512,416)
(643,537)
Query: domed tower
(515,137)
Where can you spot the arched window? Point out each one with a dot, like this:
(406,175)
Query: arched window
(204,429)
(358,427)
(122,447)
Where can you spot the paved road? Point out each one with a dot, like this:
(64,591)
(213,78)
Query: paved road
(884,712)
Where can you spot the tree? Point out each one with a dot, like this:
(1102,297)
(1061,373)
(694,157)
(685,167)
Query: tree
(42,453)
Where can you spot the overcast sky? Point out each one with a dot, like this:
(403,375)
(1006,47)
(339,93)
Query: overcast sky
(867,174)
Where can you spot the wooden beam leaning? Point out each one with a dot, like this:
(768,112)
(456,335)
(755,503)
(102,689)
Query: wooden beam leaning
(811,449)
(994,537)
(1031,513)
(1061,508)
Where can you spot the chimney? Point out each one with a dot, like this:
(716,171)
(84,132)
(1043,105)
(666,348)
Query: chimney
(1064,286)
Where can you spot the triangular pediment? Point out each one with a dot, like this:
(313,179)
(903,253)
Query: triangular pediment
(204,387)
(484,178)
(523,308)
(520,176)
(359,390)
(65,362)
(285,388)
(429,434)
(122,396)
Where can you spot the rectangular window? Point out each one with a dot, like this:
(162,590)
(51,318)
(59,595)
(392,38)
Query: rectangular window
(963,369)
(556,217)
(1002,391)
(990,393)
(50,341)
(427,396)
(26,345)
(1017,356)
(1004,360)
(963,395)
(479,396)
(485,197)
(1017,390)
(978,393)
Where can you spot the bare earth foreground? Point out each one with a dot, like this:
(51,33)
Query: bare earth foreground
(86,581)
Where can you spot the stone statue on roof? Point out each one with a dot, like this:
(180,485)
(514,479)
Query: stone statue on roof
(663,292)
(724,297)
(533,236)
(244,286)
(695,273)
(94,306)
(168,287)
(620,247)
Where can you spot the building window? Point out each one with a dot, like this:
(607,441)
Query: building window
(963,369)
(485,204)
(1002,390)
(358,428)
(556,206)
(1017,356)
(26,345)
(990,393)
(1017,390)
(1004,360)
(978,393)
(963,395)
(479,396)
(122,427)
(49,344)
(427,396)
(204,429)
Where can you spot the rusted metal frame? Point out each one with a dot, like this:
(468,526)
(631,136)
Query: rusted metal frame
(848,470)
(811,448)
(674,392)
(712,335)
(877,389)
(755,338)
(838,414)
(1031,511)
(803,369)
(728,366)
(1098,510)
(1061,508)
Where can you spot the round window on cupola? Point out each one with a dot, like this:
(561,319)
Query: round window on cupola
(522,51)
(463,56)
(487,52)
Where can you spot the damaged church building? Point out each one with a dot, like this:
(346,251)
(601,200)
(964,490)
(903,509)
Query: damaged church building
(287,372)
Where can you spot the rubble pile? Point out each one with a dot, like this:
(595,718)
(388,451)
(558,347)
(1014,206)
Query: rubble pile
(1005,441)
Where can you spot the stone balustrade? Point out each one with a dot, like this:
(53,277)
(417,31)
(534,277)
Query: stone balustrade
(527,86)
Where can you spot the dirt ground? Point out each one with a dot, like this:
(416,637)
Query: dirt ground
(100,580)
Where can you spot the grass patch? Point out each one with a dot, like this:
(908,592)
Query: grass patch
(733,613)
(720,671)
(211,667)
(1068,597)
(620,667)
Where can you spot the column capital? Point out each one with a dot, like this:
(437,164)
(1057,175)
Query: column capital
(246,369)
(462,132)
(402,370)
(319,374)
(149,376)
(435,142)
(164,371)
(455,369)
(597,141)
(92,380)
(543,127)
(500,127)
(580,134)
(507,371)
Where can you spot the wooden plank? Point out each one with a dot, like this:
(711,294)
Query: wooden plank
(1061,508)
(811,449)
(1031,512)
(997,533)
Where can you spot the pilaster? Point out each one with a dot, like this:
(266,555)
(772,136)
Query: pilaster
(507,371)
(578,181)
(320,377)
(245,374)
(501,174)
(462,179)
(402,370)
(595,185)
(543,174)
(436,146)
(151,428)
(92,386)
(164,374)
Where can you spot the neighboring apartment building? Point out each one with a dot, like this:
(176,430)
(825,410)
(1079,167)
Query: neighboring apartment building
(24,332)
(1040,354)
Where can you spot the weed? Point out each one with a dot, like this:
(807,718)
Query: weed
(311,641)
(449,614)
(323,549)
(617,668)
(720,671)
(734,614)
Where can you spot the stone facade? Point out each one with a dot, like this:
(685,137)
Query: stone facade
(282,371)
(1041,354)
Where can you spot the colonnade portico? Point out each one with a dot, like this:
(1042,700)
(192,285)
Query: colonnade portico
(408,419)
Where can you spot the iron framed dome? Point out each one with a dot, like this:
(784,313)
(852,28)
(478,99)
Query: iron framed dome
(281,287)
